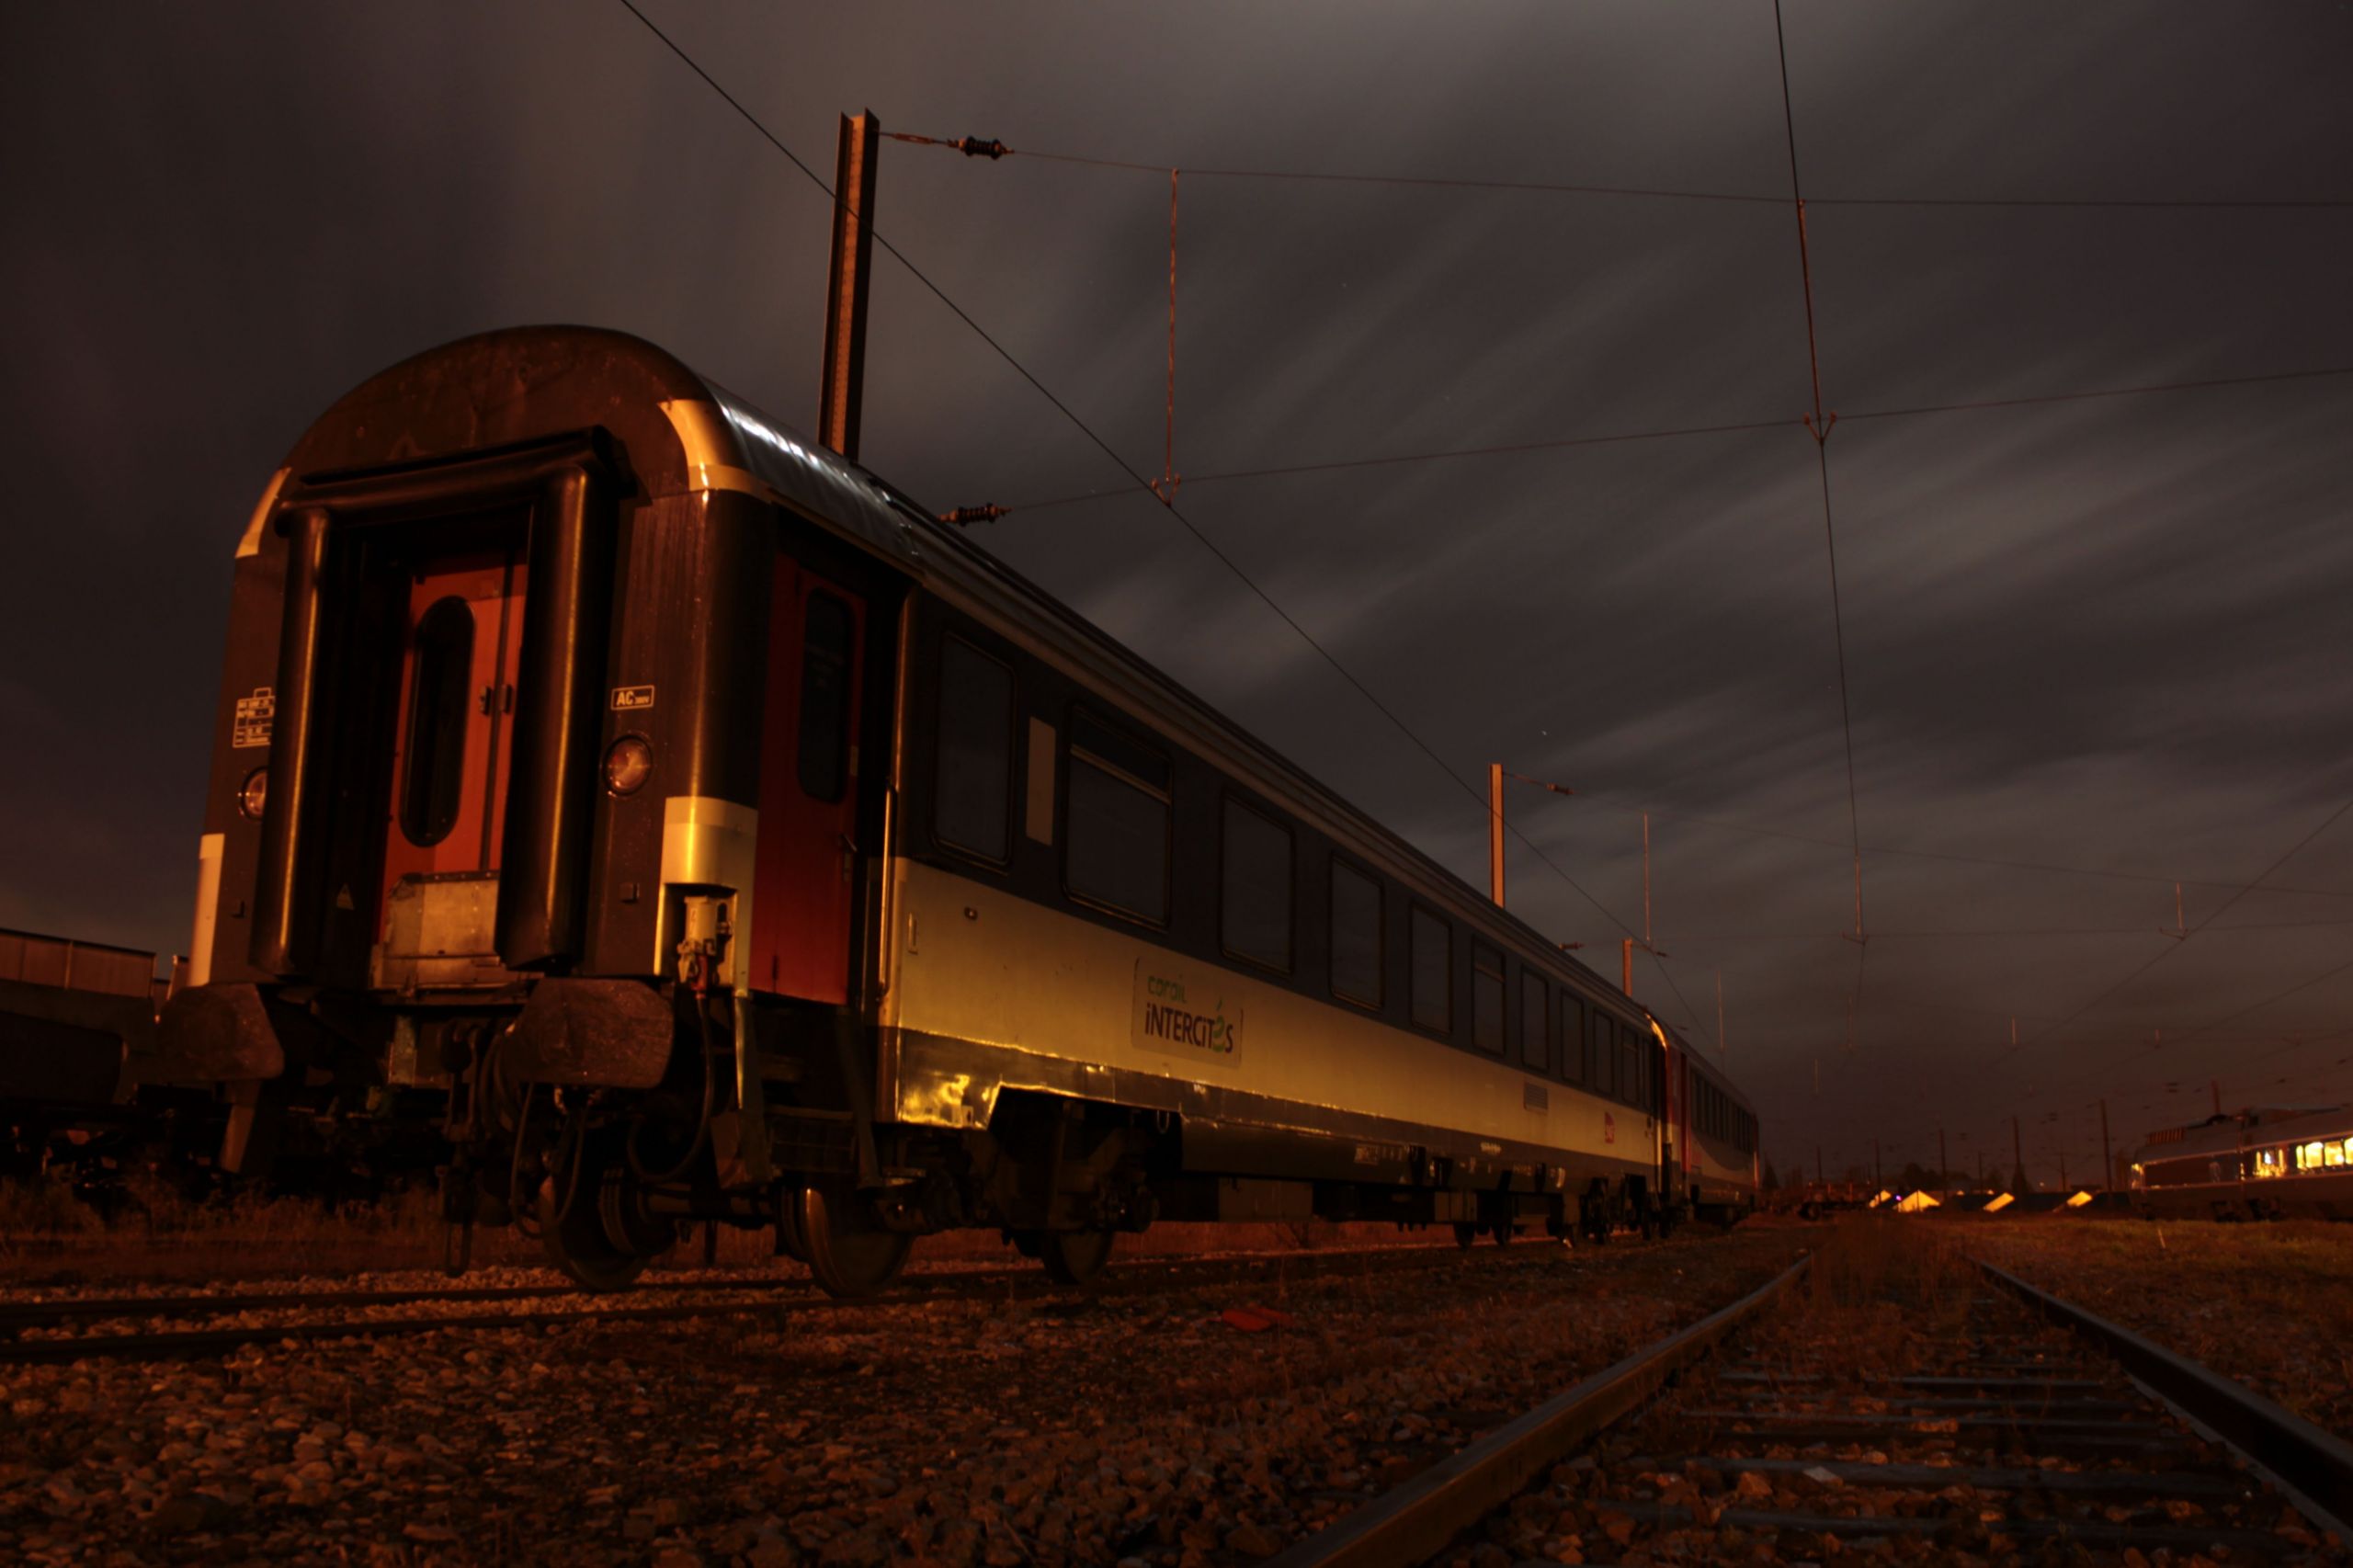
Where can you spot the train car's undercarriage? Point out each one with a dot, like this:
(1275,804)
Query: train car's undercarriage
(609,1117)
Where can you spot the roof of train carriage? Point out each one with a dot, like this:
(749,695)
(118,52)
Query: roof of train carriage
(681,432)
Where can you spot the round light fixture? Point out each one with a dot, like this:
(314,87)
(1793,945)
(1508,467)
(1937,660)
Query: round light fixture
(627,762)
(254,794)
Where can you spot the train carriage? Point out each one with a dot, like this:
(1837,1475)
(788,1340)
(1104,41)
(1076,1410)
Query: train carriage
(692,827)
(2249,1164)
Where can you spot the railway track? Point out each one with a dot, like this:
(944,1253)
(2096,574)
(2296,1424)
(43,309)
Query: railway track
(1936,1409)
(35,1333)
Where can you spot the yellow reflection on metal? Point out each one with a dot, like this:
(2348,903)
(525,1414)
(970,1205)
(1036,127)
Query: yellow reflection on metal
(707,440)
(2079,1199)
(1914,1202)
(2004,1202)
(249,543)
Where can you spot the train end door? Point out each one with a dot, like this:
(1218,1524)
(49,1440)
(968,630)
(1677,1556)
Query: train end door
(436,925)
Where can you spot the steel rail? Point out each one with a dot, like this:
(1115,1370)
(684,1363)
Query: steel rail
(18,1316)
(2313,1466)
(1419,1519)
(795,1297)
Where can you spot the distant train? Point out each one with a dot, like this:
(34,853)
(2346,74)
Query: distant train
(682,825)
(77,1028)
(2250,1165)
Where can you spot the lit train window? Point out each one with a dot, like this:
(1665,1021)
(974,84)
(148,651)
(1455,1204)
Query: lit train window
(2309,1157)
(1116,852)
(974,780)
(2335,1153)
(1535,1022)
(1256,918)
(433,766)
(1486,998)
(827,628)
(1356,936)
(1431,949)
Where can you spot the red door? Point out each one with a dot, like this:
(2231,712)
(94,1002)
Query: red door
(456,725)
(806,876)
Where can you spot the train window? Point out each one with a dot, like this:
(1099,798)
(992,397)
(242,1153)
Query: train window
(1572,1039)
(1486,998)
(433,771)
(828,630)
(1535,1022)
(1116,848)
(1431,949)
(1629,1063)
(1256,886)
(1356,936)
(974,783)
(1601,1053)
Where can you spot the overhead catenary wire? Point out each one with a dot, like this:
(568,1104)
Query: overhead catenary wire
(2196,1032)
(1226,561)
(1564,443)
(1136,478)
(2171,948)
(995,150)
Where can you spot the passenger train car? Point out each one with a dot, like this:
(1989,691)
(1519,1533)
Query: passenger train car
(2249,1164)
(696,829)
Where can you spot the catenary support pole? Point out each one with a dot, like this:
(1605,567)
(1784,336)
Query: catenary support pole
(1495,831)
(2107,1154)
(845,284)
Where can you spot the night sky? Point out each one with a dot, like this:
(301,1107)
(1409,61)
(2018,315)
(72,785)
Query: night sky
(2104,643)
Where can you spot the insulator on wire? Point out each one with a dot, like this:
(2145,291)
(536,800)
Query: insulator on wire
(965,516)
(973,147)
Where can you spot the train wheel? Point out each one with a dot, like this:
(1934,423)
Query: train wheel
(1072,1257)
(573,1223)
(1465,1233)
(849,1254)
(1504,1230)
(789,1241)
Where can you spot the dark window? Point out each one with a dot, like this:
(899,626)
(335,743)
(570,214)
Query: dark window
(974,784)
(1601,1053)
(1535,1022)
(1117,847)
(1256,887)
(827,636)
(1431,947)
(1572,1039)
(1628,1085)
(1486,998)
(1356,935)
(433,773)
